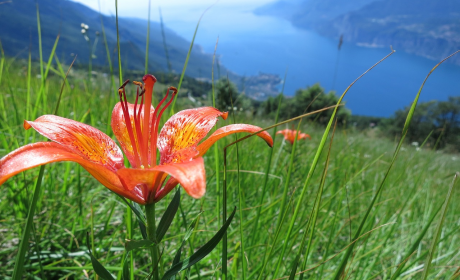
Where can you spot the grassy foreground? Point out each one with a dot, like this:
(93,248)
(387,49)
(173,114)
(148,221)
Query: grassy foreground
(72,203)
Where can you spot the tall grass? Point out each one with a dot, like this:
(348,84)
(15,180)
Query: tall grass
(293,221)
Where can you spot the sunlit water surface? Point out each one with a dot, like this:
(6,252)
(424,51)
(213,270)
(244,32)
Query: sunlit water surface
(249,44)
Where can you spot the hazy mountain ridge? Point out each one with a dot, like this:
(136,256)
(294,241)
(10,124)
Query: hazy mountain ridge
(428,28)
(19,31)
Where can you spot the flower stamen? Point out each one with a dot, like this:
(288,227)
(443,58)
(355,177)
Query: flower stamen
(129,128)
(156,120)
(137,125)
(149,82)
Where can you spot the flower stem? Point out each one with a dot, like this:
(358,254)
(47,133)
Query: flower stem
(151,235)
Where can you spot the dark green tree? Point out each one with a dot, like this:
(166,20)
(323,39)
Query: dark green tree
(440,118)
(307,100)
(226,93)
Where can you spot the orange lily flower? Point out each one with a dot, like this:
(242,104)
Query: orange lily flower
(178,144)
(289,135)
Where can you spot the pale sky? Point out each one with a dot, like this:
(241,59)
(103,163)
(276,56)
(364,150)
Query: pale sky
(226,17)
(170,8)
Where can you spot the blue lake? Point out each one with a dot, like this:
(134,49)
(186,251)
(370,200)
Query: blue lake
(249,44)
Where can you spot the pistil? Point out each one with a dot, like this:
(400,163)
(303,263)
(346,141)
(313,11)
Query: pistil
(149,81)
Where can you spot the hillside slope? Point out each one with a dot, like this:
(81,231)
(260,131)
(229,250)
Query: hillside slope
(19,31)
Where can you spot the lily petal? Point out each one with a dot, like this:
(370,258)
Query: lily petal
(183,131)
(284,131)
(148,181)
(304,136)
(230,129)
(190,175)
(170,184)
(289,134)
(41,153)
(121,132)
(82,139)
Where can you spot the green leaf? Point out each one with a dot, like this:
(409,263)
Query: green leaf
(97,266)
(126,264)
(186,237)
(140,216)
(136,244)
(200,253)
(191,228)
(140,219)
(168,216)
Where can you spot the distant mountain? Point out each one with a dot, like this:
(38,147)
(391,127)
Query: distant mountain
(429,28)
(18,21)
(311,11)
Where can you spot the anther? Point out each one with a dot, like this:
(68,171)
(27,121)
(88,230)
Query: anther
(141,85)
(173,89)
(124,84)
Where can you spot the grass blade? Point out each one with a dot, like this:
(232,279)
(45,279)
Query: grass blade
(344,261)
(63,85)
(147,43)
(267,168)
(200,253)
(313,167)
(40,51)
(240,195)
(165,47)
(316,207)
(186,61)
(24,244)
(112,80)
(120,71)
(42,86)
(438,229)
(216,146)
(414,246)
(29,75)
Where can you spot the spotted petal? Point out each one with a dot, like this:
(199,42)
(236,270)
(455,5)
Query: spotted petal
(230,129)
(183,131)
(41,153)
(82,139)
(121,132)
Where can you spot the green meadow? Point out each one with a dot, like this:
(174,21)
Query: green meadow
(346,204)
